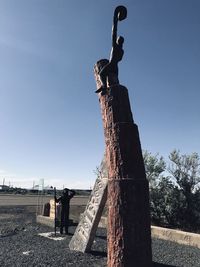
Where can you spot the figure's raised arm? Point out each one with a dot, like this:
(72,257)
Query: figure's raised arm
(120,13)
(114,27)
(57,200)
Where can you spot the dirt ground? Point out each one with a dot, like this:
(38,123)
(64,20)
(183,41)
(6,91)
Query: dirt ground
(33,200)
(21,245)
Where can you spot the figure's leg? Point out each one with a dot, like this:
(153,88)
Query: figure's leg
(103,77)
(62,221)
(66,222)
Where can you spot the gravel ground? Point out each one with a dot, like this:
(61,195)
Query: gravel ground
(20,245)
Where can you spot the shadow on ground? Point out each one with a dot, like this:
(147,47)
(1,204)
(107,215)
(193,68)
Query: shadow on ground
(155,264)
(98,253)
(101,237)
(104,254)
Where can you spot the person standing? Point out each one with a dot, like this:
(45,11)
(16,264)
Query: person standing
(64,200)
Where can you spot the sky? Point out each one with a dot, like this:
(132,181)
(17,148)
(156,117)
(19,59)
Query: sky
(50,121)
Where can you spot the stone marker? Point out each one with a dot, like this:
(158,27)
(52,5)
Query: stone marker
(85,232)
(52,209)
(129,235)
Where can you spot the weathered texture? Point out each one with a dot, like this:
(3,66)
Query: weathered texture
(85,232)
(129,236)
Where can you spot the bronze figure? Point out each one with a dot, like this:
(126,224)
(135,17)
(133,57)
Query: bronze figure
(117,51)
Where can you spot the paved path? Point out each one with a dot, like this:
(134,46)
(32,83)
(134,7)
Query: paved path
(33,200)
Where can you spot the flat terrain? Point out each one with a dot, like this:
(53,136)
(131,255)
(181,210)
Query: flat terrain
(34,200)
(20,244)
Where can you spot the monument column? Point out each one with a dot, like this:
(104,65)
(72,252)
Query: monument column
(129,235)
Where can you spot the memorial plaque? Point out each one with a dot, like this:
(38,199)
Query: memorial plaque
(85,232)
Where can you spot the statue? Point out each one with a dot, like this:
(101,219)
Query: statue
(117,51)
(64,200)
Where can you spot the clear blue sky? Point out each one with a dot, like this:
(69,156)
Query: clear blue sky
(50,122)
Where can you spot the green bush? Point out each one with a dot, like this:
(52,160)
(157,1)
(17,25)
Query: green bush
(174,191)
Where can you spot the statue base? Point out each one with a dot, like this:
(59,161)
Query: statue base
(129,233)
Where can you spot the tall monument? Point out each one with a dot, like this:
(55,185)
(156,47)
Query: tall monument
(129,236)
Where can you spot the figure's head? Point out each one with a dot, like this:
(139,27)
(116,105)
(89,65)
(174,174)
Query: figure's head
(65,191)
(120,40)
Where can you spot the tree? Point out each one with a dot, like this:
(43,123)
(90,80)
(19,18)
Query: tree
(174,199)
(166,204)
(101,171)
(154,167)
(185,170)
(160,187)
